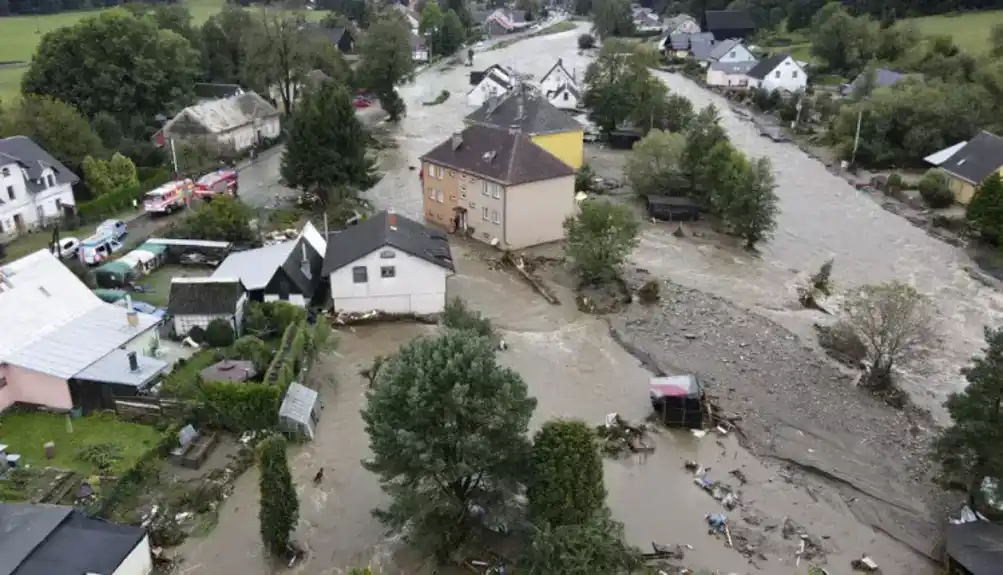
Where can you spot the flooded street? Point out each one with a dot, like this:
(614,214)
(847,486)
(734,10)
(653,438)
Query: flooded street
(796,405)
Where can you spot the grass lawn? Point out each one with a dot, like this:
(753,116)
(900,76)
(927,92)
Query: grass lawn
(160,282)
(26,432)
(39,240)
(970,30)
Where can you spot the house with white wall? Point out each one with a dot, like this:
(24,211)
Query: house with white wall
(565,97)
(231,124)
(197,301)
(730,51)
(729,74)
(497,80)
(55,333)
(53,539)
(778,72)
(287,271)
(388,263)
(34,186)
(557,76)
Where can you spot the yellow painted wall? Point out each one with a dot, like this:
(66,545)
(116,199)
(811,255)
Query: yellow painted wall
(569,147)
(962,190)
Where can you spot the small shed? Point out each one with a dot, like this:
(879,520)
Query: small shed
(236,371)
(300,410)
(624,138)
(672,208)
(678,400)
(114,274)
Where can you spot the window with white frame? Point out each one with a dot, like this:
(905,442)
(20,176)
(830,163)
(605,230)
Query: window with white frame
(360,275)
(492,189)
(435,172)
(495,217)
(484,214)
(387,272)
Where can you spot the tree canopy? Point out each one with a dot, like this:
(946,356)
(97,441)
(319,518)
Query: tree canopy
(968,450)
(565,484)
(279,504)
(985,210)
(447,427)
(595,546)
(326,151)
(115,63)
(612,18)
(654,165)
(56,126)
(599,238)
(386,60)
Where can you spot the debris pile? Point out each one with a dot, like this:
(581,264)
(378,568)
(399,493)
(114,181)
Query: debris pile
(376,316)
(729,497)
(619,436)
(809,548)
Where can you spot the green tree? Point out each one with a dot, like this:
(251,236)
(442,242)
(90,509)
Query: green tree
(96,176)
(219,333)
(224,219)
(893,321)
(610,82)
(385,60)
(116,63)
(593,547)
(704,133)
(226,40)
(122,172)
(996,41)
(968,450)
(325,151)
(456,315)
(431,20)
(177,19)
(565,484)
(451,35)
(599,238)
(801,13)
(985,211)
(583,7)
(279,504)
(447,427)
(751,214)
(612,18)
(56,126)
(845,43)
(653,168)
(107,130)
(586,42)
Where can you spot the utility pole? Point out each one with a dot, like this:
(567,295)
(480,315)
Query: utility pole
(174,158)
(856,137)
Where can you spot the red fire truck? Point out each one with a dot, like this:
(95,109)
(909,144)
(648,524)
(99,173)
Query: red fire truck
(215,183)
(168,198)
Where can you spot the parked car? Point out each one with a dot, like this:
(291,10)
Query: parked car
(98,248)
(68,248)
(117,228)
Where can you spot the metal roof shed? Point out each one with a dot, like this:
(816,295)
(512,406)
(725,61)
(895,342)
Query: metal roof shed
(300,410)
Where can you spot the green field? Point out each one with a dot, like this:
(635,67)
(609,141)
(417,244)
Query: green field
(970,30)
(20,35)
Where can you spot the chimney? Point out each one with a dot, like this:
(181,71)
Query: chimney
(133,362)
(392,219)
(305,263)
(457,140)
(130,314)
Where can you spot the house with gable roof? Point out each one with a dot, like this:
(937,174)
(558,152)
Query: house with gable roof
(494,82)
(34,186)
(528,112)
(778,72)
(557,76)
(234,124)
(496,185)
(975,161)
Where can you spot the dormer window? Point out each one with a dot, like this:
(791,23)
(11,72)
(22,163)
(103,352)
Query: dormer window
(50,181)
(6,171)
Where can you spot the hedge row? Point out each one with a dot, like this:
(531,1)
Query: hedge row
(290,357)
(239,407)
(120,200)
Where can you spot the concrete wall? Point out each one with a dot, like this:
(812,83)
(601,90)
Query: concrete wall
(569,147)
(417,286)
(536,212)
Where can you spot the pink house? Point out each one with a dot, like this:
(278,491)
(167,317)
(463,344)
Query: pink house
(57,333)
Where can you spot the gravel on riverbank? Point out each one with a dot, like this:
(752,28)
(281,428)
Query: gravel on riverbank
(795,405)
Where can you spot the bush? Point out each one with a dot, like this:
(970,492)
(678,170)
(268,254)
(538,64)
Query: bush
(253,349)
(290,358)
(456,315)
(120,200)
(219,333)
(895,183)
(565,486)
(197,334)
(585,179)
(442,97)
(935,189)
(239,407)
(586,42)
(649,292)
(273,318)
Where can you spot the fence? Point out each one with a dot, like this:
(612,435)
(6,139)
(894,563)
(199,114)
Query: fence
(147,410)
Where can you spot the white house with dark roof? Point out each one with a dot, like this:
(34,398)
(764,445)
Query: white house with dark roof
(566,97)
(54,329)
(557,76)
(778,72)
(729,74)
(236,123)
(197,301)
(497,80)
(58,539)
(288,271)
(34,186)
(388,263)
